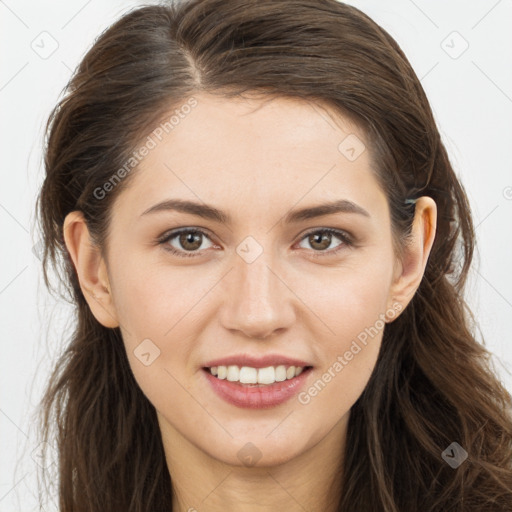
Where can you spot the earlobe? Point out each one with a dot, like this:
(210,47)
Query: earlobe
(90,268)
(416,252)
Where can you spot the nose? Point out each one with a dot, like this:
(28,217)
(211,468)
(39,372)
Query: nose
(259,301)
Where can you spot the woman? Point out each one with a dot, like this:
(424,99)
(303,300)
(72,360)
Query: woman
(267,247)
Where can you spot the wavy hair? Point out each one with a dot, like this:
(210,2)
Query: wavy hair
(432,384)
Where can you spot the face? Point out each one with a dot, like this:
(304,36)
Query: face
(260,280)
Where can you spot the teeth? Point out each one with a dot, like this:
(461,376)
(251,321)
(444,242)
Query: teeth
(233,373)
(248,375)
(266,375)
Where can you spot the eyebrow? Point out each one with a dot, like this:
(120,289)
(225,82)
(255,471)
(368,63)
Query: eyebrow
(212,213)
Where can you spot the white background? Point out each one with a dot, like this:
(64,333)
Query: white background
(471,96)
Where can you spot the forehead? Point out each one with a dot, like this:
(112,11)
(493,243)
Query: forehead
(284,126)
(248,152)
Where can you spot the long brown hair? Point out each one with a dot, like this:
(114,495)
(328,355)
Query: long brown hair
(432,385)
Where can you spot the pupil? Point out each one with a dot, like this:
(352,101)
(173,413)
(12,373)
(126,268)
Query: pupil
(191,238)
(318,239)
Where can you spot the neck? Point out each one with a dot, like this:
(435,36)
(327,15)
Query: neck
(309,481)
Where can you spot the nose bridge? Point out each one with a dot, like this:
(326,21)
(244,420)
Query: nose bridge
(255,282)
(258,302)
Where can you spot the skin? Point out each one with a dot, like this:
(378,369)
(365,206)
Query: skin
(256,161)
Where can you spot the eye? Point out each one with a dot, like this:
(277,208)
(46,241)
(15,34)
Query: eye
(320,239)
(191,240)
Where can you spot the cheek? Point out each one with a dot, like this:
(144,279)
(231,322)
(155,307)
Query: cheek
(165,305)
(351,298)
(353,308)
(153,297)
(155,309)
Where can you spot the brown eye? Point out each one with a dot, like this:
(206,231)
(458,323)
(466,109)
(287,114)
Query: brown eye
(189,242)
(321,239)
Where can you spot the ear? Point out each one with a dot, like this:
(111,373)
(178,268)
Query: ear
(410,268)
(91,269)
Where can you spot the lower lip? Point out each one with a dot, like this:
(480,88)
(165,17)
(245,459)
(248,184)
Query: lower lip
(255,397)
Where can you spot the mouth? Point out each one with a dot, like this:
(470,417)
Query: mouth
(256,388)
(246,376)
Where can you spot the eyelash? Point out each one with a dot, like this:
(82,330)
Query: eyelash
(342,235)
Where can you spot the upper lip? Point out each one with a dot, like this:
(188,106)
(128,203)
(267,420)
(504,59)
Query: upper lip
(257,362)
